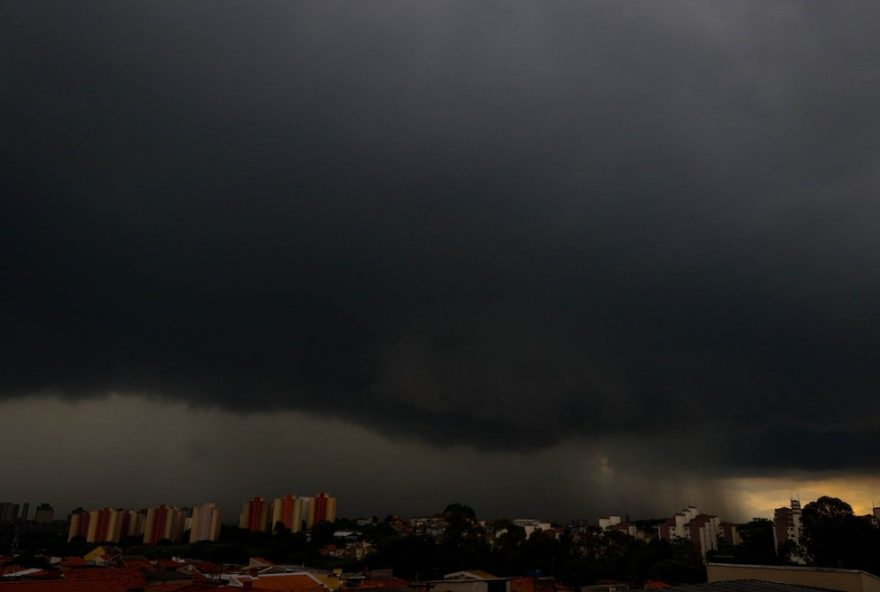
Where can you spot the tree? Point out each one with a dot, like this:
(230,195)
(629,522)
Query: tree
(834,537)
(506,553)
(825,522)
(463,542)
(322,533)
(757,547)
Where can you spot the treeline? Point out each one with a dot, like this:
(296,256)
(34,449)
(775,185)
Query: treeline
(577,556)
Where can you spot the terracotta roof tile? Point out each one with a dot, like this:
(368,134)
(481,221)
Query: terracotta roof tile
(63,586)
(289,583)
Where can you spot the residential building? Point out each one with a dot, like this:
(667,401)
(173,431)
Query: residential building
(676,526)
(255,515)
(321,509)
(44,514)
(787,524)
(288,512)
(627,528)
(104,526)
(607,521)
(304,506)
(79,524)
(701,530)
(204,523)
(470,581)
(163,523)
(8,512)
(132,524)
(530,525)
(730,534)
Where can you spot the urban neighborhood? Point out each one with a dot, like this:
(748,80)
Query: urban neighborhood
(297,544)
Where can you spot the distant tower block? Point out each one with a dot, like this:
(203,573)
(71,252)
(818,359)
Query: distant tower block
(205,523)
(288,511)
(163,522)
(323,509)
(787,523)
(44,514)
(255,515)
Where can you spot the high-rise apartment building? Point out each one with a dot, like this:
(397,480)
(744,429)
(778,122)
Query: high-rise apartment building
(163,522)
(730,534)
(104,526)
(8,512)
(44,514)
(701,530)
(79,524)
(107,525)
(304,506)
(321,509)
(787,523)
(288,511)
(255,515)
(132,524)
(204,524)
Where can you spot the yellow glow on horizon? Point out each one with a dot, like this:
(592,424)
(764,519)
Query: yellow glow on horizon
(761,495)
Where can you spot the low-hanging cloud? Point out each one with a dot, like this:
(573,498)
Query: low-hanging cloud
(500,225)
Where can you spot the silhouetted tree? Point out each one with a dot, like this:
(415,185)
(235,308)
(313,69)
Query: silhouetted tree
(757,546)
(834,537)
(322,534)
(463,543)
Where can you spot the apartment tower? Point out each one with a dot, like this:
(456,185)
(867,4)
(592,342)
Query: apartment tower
(205,523)
(255,515)
(322,509)
(163,522)
(288,511)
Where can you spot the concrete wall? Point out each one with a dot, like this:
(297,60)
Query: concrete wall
(845,580)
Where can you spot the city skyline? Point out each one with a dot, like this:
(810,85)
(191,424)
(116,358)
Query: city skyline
(542,259)
(296,512)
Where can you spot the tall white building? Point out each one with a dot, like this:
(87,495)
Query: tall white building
(204,525)
(607,521)
(701,530)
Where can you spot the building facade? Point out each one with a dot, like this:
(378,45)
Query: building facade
(44,514)
(8,512)
(787,523)
(288,511)
(255,515)
(163,522)
(321,509)
(104,526)
(702,530)
(205,523)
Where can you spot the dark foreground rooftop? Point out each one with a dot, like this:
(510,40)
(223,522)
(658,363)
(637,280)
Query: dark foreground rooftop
(745,586)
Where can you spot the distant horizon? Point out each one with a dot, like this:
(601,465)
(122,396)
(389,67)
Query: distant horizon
(857,510)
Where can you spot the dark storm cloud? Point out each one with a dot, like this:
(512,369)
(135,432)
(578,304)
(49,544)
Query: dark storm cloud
(503,224)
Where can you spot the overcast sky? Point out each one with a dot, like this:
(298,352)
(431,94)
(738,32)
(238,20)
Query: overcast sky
(549,259)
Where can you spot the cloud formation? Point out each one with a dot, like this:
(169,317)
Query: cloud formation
(499,225)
